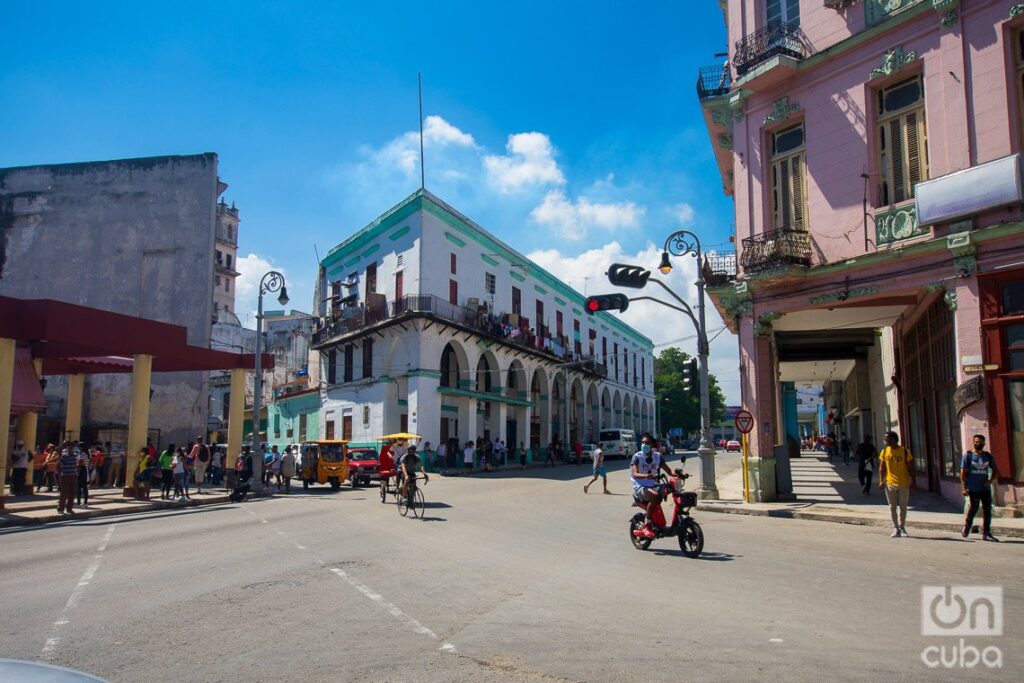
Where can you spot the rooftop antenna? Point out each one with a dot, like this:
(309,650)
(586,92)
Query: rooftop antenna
(419,87)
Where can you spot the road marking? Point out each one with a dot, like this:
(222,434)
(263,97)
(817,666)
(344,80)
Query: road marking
(775,640)
(50,646)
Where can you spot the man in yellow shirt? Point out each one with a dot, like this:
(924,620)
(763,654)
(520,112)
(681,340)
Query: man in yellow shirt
(896,477)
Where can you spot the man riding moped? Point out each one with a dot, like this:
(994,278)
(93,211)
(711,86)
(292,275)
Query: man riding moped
(643,472)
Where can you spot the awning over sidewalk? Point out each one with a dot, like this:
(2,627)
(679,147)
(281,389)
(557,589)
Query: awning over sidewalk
(26,394)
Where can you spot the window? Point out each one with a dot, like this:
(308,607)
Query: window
(902,140)
(604,349)
(782,12)
(346,427)
(625,366)
(227,284)
(643,372)
(329,430)
(398,286)
(220,257)
(368,358)
(453,292)
(489,283)
(453,263)
(332,366)
(615,361)
(540,318)
(371,278)
(593,343)
(231,233)
(558,323)
(216,280)
(401,261)
(789,179)
(577,342)
(302,427)
(517,301)
(634,369)
(349,354)
(229,259)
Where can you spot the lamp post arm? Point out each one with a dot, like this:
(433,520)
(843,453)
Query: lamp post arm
(685,306)
(686,310)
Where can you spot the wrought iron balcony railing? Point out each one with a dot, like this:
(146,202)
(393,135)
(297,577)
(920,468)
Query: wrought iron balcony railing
(719,268)
(777,38)
(776,249)
(713,81)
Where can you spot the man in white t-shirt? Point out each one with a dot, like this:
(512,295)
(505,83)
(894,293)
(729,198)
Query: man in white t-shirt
(597,455)
(643,472)
(19,468)
(467,458)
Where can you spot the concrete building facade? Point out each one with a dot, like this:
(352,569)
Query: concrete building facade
(132,236)
(872,149)
(432,325)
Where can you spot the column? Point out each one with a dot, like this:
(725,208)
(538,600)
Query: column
(757,385)
(425,408)
(28,422)
(7,353)
(138,418)
(236,415)
(499,413)
(73,421)
(467,421)
(522,427)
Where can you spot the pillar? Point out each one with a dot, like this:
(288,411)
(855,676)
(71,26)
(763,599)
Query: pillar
(236,416)
(425,408)
(523,427)
(138,418)
(467,421)
(73,421)
(8,350)
(499,413)
(28,423)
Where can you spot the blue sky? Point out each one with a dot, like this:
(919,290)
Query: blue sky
(569,129)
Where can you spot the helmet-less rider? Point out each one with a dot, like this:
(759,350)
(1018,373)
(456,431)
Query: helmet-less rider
(644,472)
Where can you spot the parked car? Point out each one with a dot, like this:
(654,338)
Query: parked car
(732,445)
(363,465)
(722,443)
(588,451)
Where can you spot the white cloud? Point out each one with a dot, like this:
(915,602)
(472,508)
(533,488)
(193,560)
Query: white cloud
(437,131)
(683,213)
(251,269)
(664,326)
(530,162)
(573,220)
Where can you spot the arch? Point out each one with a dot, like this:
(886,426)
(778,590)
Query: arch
(616,410)
(559,406)
(486,376)
(540,431)
(644,424)
(577,411)
(606,408)
(454,365)
(515,380)
(593,413)
(638,425)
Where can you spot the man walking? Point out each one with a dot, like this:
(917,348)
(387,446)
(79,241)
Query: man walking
(599,470)
(866,455)
(68,482)
(200,457)
(844,448)
(19,468)
(976,483)
(287,468)
(895,477)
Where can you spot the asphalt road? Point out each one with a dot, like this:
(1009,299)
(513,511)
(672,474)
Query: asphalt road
(511,577)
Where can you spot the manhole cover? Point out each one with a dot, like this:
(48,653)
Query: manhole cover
(267,585)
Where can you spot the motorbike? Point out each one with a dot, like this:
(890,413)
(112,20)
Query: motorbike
(683,526)
(240,491)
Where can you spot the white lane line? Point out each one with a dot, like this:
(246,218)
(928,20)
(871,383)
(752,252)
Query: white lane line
(50,646)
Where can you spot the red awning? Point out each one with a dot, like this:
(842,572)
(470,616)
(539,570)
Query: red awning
(26,394)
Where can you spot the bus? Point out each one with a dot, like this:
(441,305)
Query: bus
(618,443)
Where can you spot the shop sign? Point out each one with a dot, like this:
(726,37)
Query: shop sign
(967,394)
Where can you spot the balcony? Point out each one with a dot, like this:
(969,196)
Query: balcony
(776,249)
(719,268)
(776,39)
(478,320)
(713,81)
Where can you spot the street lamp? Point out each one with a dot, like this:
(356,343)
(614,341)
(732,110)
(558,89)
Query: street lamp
(681,243)
(271,282)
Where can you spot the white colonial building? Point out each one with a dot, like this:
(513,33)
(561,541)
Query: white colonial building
(430,324)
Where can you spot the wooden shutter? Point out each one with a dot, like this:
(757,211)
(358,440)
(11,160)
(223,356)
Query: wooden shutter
(914,161)
(797,176)
(785,194)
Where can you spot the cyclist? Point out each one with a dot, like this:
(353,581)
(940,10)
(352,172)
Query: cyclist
(643,471)
(410,461)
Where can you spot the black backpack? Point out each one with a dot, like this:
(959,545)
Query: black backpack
(204,453)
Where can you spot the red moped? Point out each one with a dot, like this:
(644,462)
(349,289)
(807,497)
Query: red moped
(683,526)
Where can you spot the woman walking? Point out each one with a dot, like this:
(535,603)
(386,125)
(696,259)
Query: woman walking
(83,476)
(166,472)
(178,471)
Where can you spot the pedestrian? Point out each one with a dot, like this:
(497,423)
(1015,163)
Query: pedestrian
(19,468)
(830,446)
(68,482)
(84,468)
(179,470)
(200,458)
(896,476)
(866,456)
(217,466)
(551,454)
(115,465)
(243,464)
(275,467)
(599,470)
(99,466)
(522,456)
(977,487)
(144,474)
(166,471)
(38,468)
(844,448)
(189,469)
(287,468)
(467,458)
(50,473)
(442,458)
(577,452)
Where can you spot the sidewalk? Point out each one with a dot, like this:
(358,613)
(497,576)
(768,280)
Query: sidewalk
(41,508)
(830,492)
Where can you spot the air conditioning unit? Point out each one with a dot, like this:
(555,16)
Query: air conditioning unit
(472,302)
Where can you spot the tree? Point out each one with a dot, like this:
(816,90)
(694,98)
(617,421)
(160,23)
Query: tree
(677,407)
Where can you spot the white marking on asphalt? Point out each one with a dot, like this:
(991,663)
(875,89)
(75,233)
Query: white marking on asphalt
(775,640)
(50,646)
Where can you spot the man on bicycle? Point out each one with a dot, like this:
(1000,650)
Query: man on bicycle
(644,473)
(410,461)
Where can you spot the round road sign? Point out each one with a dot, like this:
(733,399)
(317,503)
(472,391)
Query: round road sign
(744,421)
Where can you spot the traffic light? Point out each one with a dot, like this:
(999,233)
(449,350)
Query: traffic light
(624,275)
(691,378)
(607,302)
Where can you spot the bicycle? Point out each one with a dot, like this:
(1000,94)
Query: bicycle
(413,500)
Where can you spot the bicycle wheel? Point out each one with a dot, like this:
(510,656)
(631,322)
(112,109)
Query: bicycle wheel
(418,505)
(691,538)
(403,504)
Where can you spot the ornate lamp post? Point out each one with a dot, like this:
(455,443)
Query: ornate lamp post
(681,243)
(271,282)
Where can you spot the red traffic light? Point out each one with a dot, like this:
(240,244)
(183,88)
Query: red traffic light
(607,302)
(592,305)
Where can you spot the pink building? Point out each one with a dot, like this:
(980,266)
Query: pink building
(872,149)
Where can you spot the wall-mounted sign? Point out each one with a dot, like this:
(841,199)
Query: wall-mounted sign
(970,191)
(968,393)
(981,367)
(971,360)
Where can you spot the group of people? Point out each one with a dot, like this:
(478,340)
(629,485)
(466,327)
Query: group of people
(399,459)
(280,467)
(30,471)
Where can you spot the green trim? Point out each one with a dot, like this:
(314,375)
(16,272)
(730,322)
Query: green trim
(560,302)
(577,312)
(453,239)
(604,328)
(372,250)
(403,402)
(363,237)
(446,391)
(420,372)
(399,234)
(517,276)
(488,259)
(539,289)
(449,409)
(465,382)
(543,397)
(387,378)
(352,262)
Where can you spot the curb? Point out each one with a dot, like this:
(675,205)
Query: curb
(859,520)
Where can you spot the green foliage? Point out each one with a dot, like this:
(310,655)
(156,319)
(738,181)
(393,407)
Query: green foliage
(677,408)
